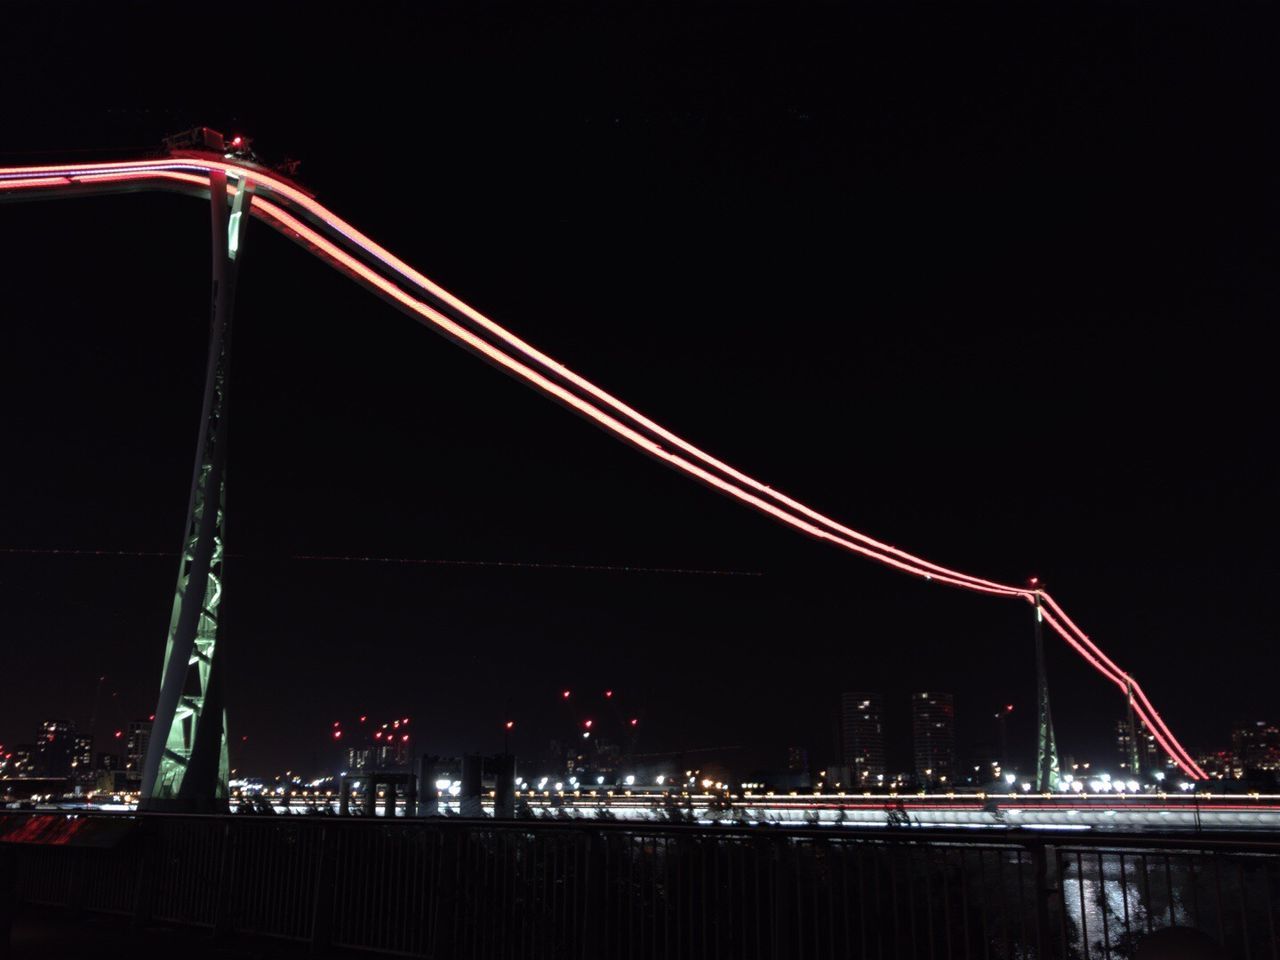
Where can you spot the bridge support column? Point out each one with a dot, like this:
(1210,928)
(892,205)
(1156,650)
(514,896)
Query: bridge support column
(1046,744)
(186,764)
(504,794)
(344,796)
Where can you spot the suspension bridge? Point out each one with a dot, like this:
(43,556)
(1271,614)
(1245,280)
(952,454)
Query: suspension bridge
(187,765)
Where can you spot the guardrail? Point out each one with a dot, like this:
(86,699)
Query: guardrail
(483,888)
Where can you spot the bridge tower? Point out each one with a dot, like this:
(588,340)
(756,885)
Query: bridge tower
(186,764)
(1047,770)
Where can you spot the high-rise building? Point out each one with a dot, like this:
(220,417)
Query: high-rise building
(862,738)
(135,750)
(1256,746)
(933,737)
(55,744)
(797,760)
(1150,757)
(82,758)
(20,761)
(359,759)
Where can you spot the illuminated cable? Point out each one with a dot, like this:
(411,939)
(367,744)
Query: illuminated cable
(826,529)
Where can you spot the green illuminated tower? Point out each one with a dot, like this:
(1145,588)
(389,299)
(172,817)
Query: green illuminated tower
(186,763)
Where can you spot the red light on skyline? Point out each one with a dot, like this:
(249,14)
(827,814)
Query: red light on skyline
(565,695)
(337,734)
(511,724)
(405,738)
(634,721)
(608,694)
(364,717)
(336,723)
(587,724)
(378,735)
(236,141)
(1008,708)
(119,734)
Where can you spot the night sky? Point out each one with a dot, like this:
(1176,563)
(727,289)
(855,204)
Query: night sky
(994,286)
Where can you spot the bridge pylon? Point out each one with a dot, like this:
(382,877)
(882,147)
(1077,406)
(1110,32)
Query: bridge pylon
(186,766)
(1047,768)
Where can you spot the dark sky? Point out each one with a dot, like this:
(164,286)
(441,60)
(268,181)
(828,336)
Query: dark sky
(994,286)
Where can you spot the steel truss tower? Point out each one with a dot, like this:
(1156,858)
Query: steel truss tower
(186,765)
(1047,771)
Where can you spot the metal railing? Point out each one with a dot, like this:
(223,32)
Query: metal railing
(528,889)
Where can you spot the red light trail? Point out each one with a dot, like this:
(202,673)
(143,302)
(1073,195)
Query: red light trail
(484,337)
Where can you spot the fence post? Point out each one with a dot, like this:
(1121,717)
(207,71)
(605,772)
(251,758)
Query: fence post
(222,925)
(148,863)
(8,897)
(324,898)
(592,884)
(1044,858)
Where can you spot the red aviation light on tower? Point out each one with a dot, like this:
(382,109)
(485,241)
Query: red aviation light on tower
(635,721)
(119,734)
(565,695)
(510,724)
(587,723)
(404,738)
(337,734)
(608,694)
(364,717)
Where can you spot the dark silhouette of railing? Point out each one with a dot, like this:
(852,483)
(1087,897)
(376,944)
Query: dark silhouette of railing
(465,888)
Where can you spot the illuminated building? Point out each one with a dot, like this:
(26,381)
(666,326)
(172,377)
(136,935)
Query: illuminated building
(387,749)
(1256,746)
(54,747)
(20,761)
(1219,765)
(1149,753)
(933,737)
(797,760)
(82,758)
(135,752)
(862,737)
